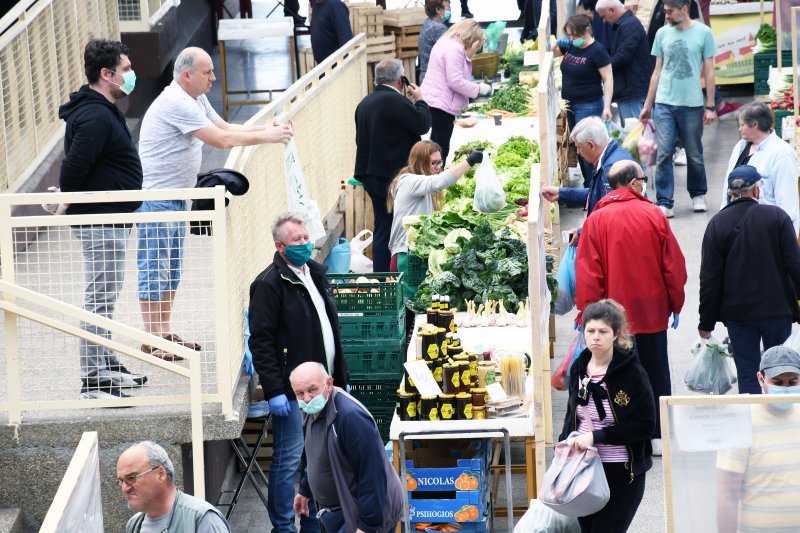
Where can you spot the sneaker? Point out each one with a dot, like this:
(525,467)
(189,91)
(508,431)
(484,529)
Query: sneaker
(100,388)
(727,109)
(467,14)
(657,449)
(679,157)
(126,377)
(668,212)
(699,204)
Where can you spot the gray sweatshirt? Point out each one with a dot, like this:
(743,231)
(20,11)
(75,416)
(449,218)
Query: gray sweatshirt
(413,197)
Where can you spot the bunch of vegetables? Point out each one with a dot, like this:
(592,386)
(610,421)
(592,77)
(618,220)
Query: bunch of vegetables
(513,60)
(766,39)
(490,266)
(785,102)
(512,98)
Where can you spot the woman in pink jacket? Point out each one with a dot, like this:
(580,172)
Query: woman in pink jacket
(447,87)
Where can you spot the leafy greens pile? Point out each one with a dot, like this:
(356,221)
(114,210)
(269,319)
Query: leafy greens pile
(512,98)
(766,38)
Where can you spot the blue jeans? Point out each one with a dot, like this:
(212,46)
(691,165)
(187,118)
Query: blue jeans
(160,250)
(287,449)
(746,339)
(673,123)
(577,112)
(332,521)
(630,108)
(104,269)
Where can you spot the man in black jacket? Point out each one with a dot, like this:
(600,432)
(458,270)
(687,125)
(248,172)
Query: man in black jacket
(630,58)
(293,320)
(330,28)
(749,275)
(387,126)
(100,155)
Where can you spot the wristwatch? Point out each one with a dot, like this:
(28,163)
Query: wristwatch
(711,108)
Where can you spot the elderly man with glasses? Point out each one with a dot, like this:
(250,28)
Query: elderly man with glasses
(147,479)
(628,253)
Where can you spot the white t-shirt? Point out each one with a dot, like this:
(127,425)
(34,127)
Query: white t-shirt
(319,303)
(210,523)
(170,154)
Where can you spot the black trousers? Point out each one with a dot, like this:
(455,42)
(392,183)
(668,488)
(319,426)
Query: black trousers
(652,348)
(626,495)
(377,188)
(442,124)
(532,14)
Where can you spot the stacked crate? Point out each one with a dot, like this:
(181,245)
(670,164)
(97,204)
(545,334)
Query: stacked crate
(562,148)
(405,25)
(762,61)
(372,328)
(368,19)
(447,485)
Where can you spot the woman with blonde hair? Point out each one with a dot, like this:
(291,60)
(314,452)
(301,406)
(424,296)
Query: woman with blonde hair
(612,408)
(412,192)
(447,87)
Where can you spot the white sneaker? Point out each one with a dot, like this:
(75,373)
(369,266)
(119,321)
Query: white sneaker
(699,204)
(668,212)
(679,158)
(657,449)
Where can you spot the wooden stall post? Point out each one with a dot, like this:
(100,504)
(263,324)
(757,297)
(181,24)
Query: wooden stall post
(795,79)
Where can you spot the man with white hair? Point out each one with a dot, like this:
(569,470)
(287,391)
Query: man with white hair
(173,131)
(593,143)
(147,479)
(630,58)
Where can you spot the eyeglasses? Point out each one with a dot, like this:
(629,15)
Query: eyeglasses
(643,178)
(131,479)
(437,164)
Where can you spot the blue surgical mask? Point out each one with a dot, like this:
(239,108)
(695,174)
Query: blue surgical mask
(446,16)
(128,83)
(299,254)
(777,389)
(577,43)
(313,407)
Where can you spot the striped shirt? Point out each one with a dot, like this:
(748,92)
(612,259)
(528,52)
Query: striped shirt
(609,453)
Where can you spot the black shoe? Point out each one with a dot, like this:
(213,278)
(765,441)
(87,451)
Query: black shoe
(466,14)
(101,388)
(125,377)
(298,20)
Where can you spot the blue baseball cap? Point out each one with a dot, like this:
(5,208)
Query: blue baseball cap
(743,177)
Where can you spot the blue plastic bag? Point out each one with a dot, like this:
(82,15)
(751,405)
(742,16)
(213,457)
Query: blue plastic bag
(338,261)
(565,301)
(248,356)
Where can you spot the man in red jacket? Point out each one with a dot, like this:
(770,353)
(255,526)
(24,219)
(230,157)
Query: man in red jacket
(628,252)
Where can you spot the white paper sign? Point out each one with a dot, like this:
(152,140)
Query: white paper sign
(297,198)
(423,378)
(496,392)
(702,428)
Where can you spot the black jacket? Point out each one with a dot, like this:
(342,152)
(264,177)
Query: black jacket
(330,28)
(753,276)
(284,327)
(630,58)
(100,154)
(632,406)
(387,126)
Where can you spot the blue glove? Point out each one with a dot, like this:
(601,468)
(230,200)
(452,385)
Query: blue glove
(279,405)
(347,388)
(676,317)
(564,43)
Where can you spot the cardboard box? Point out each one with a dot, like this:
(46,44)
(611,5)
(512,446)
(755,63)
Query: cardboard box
(466,475)
(464,507)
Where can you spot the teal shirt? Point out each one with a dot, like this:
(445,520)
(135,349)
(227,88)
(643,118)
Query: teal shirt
(683,52)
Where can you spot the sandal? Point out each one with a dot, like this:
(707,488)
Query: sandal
(161,354)
(172,337)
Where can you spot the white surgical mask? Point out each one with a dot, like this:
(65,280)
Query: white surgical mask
(778,389)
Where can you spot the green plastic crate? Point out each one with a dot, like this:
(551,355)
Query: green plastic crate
(376,298)
(390,326)
(376,395)
(417,270)
(375,360)
(383,419)
(761,63)
(778,115)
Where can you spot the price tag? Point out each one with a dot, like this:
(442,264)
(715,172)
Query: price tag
(496,392)
(423,378)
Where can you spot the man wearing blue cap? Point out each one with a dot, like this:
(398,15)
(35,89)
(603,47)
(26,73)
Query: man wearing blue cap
(749,275)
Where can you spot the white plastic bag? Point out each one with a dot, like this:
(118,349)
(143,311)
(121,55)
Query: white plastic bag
(358,261)
(712,369)
(489,194)
(541,519)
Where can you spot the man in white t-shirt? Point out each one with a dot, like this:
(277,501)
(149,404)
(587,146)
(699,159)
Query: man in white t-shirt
(173,131)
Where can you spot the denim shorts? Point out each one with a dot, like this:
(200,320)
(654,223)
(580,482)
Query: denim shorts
(160,251)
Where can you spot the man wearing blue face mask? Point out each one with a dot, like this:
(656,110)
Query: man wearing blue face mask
(757,486)
(346,471)
(293,320)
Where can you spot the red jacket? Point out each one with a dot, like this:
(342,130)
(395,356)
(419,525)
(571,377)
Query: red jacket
(627,252)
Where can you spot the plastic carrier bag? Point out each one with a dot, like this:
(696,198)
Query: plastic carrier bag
(631,141)
(492,33)
(358,261)
(565,301)
(647,145)
(338,260)
(489,194)
(541,519)
(560,379)
(712,370)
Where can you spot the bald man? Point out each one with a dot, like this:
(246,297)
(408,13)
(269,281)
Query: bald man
(628,252)
(345,468)
(147,479)
(174,130)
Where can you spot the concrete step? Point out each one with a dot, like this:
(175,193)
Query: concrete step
(10,520)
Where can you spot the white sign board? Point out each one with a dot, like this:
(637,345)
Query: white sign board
(496,392)
(423,378)
(702,428)
(297,198)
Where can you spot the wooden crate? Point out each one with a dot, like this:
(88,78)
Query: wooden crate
(410,68)
(306,61)
(250,432)
(366,19)
(412,16)
(406,39)
(379,48)
(358,213)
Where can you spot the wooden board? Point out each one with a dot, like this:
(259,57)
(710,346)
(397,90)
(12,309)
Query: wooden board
(306,61)
(379,48)
(366,19)
(404,17)
(410,68)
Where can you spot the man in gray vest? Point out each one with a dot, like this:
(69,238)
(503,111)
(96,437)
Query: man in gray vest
(147,479)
